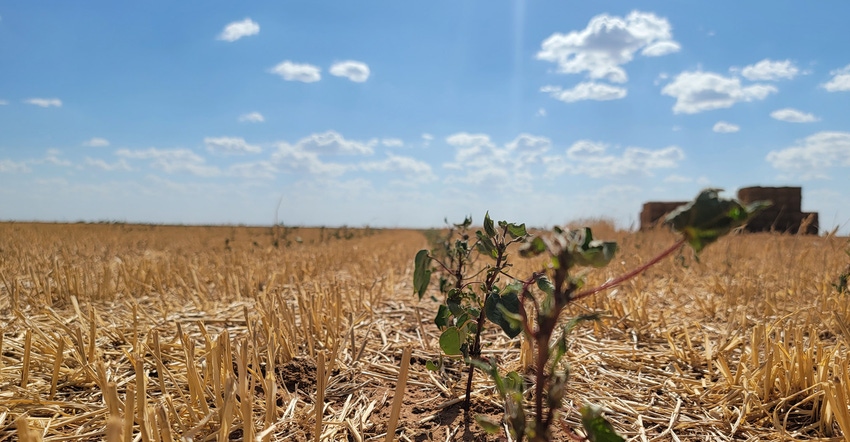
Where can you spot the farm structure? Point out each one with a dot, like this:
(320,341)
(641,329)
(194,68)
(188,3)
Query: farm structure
(784,215)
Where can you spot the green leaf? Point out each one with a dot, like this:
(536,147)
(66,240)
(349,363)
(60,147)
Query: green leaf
(597,427)
(517,231)
(443,316)
(454,307)
(488,424)
(709,217)
(544,284)
(485,245)
(585,251)
(450,341)
(532,248)
(488,225)
(504,310)
(431,366)
(421,273)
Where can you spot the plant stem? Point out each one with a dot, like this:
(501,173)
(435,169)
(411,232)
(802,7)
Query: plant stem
(625,277)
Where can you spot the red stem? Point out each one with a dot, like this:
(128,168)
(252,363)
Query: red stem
(623,278)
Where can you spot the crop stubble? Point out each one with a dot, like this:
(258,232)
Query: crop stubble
(156,333)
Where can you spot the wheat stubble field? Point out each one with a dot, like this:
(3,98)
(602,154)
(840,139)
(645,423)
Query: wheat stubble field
(160,333)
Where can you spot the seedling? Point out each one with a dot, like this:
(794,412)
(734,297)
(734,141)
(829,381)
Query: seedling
(533,306)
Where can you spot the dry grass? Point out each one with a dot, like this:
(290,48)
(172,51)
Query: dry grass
(153,333)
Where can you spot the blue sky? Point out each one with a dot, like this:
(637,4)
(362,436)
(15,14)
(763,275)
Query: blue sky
(392,113)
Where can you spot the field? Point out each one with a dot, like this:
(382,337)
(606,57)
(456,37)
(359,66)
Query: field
(157,333)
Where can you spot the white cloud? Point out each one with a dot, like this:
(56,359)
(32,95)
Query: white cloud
(238,29)
(540,112)
(331,142)
(290,71)
(677,179)
(355,71)
(591,158)
(53,157)
(96,142)
(770,70)
(585,91)
(724,127)
(258,169)
(101,164)
(840,81)
(392,142)
(482,163)
(3,102)
(172,160)
(230,145)
(607,43)
(468,147)
(44,102)
(412,168)
(793,116)
(426,139)
(252,117)
(811,156)
(9,166)
(295,158)
(701,91)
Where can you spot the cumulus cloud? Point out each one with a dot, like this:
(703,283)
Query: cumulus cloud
(770,70)
(230,145)
(96,142)
(252,117)
(392,142)
(701,91)
(481,162)
(238,29)
(411,168)
(591,158)
(812,156)
(109,167)
(9,166)
(306,153)
(607,43)
(724,127)
(172,160)
(840,81)
(793,116)
(589,90)
(331,143)
(355,71)
(426,139)
(289,71)
(294,157)
(44,102)
(258,169)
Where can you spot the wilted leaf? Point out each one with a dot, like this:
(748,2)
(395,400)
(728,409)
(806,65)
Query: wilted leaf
(450,341)
(597,427)
(709,217)
(421,273)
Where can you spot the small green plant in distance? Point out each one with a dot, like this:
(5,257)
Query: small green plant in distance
(534,305)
